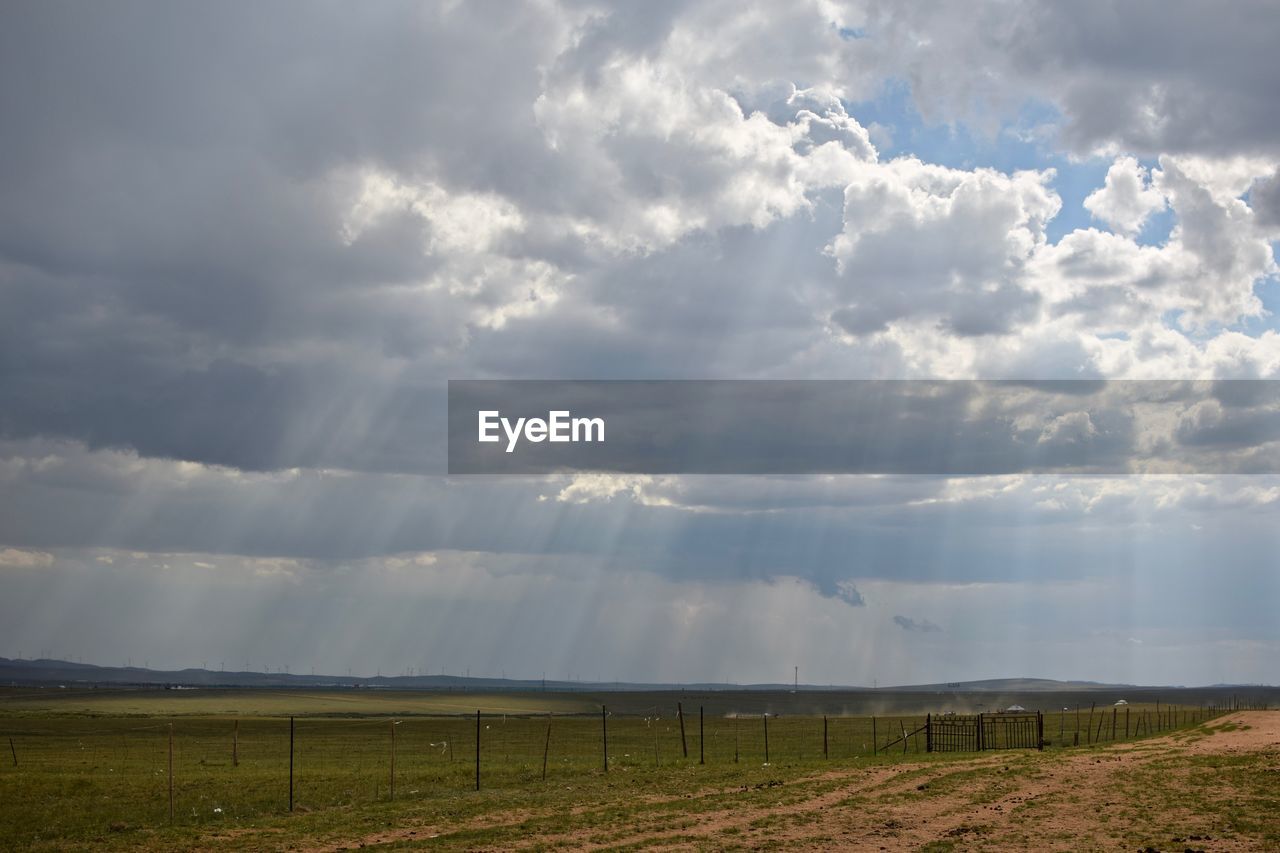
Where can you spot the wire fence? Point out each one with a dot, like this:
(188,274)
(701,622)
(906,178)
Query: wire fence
(197,770)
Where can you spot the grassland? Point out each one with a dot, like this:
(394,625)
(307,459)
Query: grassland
(283,703)
(93,769)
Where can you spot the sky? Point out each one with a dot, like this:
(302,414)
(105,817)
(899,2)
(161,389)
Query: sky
(243,247)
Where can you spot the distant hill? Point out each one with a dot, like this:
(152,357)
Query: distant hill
(46,672)
(1013,685)
(55,672)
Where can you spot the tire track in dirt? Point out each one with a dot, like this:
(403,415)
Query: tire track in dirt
(1004,801)
(1010,820)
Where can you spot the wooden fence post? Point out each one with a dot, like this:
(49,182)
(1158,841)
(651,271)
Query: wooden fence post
(825,754)
(875,746)
(684,746)
(291,764)
(604,736)
(702,739)
(546,748)
(654,727)
(171,773)
(393,761)
(477,749)
(766,737)
(235,744)
(13,750)
(928,732)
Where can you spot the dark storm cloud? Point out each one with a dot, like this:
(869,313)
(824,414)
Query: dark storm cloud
(1150,76)
(920,626)
(171,195)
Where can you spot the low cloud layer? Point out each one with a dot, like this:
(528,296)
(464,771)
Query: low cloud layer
(919,626)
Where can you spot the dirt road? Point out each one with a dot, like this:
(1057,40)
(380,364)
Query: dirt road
(1215,788)
(1188,791)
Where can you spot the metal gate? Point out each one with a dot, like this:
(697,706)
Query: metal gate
(977,732)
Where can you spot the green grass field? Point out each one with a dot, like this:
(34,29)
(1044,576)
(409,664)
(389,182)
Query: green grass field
(93,767)
(270,703)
